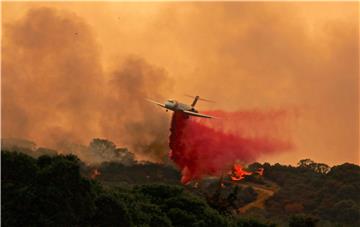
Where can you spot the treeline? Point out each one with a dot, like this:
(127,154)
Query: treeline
(97,151)
(114,165)
(50,191)
(328,195)
(57,189)
(137,173)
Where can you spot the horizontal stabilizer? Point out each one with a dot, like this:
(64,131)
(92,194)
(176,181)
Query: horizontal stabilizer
(198,98)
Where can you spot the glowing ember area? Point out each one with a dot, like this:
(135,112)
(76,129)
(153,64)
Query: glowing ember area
(239,173)
(260,171)
(95,173)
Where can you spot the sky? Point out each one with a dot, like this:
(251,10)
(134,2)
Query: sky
(63,67)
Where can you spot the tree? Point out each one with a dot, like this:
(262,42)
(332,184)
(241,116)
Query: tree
(182,208)
(110,212)
(294,208)
(106,150)
(46,192)
(347,211)
(302,221)
(19,173)
(321,168)
(316,167)
(17,168)
(244,222)
(102,147)
(347,172)
(305,163)
(63,196)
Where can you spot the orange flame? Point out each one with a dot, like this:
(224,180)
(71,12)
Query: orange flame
(239,173)
(95,173)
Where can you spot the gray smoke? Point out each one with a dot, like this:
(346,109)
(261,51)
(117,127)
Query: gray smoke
(55,90)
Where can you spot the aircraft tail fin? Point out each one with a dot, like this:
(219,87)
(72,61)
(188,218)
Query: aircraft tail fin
(195,101)
(196,98)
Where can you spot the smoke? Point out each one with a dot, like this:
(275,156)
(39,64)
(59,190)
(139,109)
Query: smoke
(50,77)
(246,54)
(55,90)
(135,121)
(209,147)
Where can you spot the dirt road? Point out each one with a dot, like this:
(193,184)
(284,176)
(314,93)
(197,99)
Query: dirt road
(264,192)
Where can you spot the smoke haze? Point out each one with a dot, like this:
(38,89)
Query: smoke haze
(56,92)
(60,73)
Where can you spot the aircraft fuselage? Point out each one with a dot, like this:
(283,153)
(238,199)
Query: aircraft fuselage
(178,106)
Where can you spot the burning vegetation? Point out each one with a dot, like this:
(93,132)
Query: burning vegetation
(95,173)
(239,173)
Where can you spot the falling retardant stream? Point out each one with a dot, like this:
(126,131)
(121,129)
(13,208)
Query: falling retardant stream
(208,147)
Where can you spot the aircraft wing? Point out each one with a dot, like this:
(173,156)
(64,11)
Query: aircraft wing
(157,103)
(197,114)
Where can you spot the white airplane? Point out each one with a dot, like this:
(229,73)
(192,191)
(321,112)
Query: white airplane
(181,107)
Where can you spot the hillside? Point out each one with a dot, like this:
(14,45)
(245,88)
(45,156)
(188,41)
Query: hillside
(310,193)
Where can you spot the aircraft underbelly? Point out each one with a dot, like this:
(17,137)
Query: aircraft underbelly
(183,107)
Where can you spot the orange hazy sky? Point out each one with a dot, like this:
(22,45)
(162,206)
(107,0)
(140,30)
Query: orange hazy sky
(302,56)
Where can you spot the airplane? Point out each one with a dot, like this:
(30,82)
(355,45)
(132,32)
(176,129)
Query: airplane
(176,106)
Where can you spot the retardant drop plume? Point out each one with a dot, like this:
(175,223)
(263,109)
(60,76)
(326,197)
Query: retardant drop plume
(209,147)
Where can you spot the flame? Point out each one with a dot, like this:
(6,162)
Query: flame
(238,173)
(95,173)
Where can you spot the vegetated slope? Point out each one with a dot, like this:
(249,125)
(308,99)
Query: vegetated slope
(50,191)
(309,193)
(329,195)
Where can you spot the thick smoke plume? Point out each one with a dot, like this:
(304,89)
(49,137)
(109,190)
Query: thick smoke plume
(209,147)
(56,92)
(59,69)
